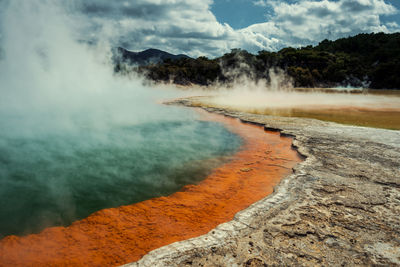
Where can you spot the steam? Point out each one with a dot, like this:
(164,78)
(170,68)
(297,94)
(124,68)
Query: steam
(253,98)
(240,75)
(275,91)
(51,80)
(76,138)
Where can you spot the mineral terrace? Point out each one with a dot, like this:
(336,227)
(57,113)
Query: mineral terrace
(341,206)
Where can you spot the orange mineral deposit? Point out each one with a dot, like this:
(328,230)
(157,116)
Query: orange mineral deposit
(116,236)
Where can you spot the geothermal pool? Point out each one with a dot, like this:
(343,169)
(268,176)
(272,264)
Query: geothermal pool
(116,236)
(53,179)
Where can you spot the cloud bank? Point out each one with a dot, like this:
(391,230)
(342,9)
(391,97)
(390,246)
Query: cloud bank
(173,25)
(189,26)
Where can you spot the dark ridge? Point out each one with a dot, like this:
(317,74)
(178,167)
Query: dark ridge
(146,57)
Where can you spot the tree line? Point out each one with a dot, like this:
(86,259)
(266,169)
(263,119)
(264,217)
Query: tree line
(365,60)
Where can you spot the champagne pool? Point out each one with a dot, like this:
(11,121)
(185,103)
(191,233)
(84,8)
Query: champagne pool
(55,179)
(116,236)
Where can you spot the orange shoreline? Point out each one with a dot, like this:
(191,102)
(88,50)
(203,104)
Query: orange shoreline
(121,235)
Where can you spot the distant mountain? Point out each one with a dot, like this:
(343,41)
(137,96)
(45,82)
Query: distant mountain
(146,57)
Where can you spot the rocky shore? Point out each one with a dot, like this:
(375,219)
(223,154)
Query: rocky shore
(341,206)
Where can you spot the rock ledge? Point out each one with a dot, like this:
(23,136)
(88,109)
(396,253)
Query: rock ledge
(341,206)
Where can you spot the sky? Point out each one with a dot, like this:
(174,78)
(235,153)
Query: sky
(212,28)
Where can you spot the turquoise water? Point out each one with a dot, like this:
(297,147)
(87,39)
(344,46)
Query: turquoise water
(55,179)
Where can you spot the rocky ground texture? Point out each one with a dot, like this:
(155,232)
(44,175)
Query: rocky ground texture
(341,205)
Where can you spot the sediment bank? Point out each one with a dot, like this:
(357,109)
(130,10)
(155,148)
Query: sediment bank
(340,207)
(117,236)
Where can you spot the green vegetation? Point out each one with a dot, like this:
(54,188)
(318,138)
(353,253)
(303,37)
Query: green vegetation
(366,60)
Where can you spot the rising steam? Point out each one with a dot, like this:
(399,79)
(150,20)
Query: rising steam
(76,138)
(243,91)
(51,80)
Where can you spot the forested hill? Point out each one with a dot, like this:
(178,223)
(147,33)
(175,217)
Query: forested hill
(365,60)
(146,57)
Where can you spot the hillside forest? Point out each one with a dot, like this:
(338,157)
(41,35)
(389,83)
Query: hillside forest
(365,60)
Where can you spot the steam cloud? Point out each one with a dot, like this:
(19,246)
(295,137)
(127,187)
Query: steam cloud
(51,80)
(276,90)
(63,112)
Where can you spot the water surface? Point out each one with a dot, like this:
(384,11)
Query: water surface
(55,179)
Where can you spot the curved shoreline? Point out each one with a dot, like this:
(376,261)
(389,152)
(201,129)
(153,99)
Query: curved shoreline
(339,207)
(119,235)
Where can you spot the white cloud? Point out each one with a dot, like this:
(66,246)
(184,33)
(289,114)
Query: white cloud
(260,3)
(393,25)
(173,25)
(188,26)
(305,22)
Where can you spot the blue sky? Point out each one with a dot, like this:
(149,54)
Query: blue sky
(238,13)
(395,17)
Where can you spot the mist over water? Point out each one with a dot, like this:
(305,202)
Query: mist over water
(50,80)
(55,179)
(74,137)
(262,98)
(278,92)
(276,95)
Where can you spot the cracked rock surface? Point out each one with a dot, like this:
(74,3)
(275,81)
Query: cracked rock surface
(341,206)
